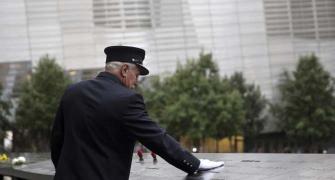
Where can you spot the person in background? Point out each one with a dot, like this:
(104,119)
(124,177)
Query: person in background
(153,155)
(99,120)
(140,150)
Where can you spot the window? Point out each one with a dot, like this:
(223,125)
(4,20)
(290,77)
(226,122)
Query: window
(117,14)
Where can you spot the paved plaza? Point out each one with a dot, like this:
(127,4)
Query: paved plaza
(237,167)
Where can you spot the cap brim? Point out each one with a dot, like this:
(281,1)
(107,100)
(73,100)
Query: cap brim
(143,70)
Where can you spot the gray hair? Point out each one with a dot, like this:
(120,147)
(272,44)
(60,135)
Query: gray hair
(117,64)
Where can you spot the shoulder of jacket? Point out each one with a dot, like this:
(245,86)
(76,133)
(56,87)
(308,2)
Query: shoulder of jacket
(76,84)
(131,94)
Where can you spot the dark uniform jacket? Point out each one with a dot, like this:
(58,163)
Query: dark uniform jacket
(95,129)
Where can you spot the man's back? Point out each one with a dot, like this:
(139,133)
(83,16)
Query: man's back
(95,129)
(93,132)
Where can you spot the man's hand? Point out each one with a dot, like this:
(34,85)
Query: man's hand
(206,164)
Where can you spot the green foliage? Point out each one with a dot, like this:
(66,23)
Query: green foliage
(227,114)
(307,104)
(254,104)
(195,102)
(4,113)
(38,101)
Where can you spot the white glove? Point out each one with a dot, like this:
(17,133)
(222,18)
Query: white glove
(206,164)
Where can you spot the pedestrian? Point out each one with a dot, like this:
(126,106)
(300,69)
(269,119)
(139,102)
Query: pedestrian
(140,154)
(99,120)
(153,155)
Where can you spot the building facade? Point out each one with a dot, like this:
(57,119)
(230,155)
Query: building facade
(260,38)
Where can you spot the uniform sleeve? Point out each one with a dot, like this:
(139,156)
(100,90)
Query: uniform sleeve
(57,136)
(139,125)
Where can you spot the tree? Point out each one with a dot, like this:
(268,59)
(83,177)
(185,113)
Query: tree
(254,104)
(178,101)
(226,114)
(38,101)
(195,102)
(4,114)
(306,109)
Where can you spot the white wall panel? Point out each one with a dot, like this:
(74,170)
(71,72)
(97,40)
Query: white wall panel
(13,31)
(256,37)
(44,29)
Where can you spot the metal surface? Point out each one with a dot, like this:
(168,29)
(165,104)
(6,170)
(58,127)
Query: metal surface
(237,167)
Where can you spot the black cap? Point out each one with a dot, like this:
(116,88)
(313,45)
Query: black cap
(127,54)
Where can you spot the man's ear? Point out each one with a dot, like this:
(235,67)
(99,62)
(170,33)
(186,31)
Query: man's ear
(124,68)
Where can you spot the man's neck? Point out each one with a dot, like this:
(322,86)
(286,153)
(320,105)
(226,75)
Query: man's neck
(114,72)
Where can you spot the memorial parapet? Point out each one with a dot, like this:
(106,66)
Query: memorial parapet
(237,166)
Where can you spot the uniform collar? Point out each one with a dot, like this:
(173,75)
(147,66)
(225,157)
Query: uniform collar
(109,76)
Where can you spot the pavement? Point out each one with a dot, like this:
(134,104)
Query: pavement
(237,167)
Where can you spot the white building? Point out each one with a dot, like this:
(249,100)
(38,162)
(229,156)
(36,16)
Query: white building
(258,37)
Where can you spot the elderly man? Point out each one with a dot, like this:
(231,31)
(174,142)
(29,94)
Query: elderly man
(99,120)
